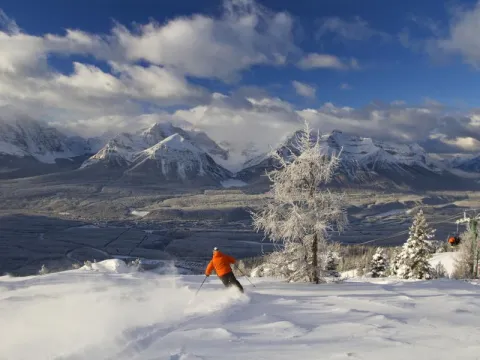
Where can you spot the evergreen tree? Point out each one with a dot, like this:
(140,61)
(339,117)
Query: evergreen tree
(413,259)
(331,263)
(379,264)
(394,262)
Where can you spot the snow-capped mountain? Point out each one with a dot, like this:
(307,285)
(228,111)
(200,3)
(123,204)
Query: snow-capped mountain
(469,163)
(21,136)
(177,159)
(163,152)
(125,147)
(361,158)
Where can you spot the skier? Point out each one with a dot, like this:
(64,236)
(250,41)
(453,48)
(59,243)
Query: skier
(221,263)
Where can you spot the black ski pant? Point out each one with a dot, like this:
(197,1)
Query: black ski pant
(230,280)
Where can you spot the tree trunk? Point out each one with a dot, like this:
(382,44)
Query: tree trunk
(315,278)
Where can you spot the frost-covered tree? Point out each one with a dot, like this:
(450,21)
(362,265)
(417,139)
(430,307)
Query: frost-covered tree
(413,262)
(379,264)
(440,271)
(300,213)
(331,263)
(463,266)
(395,261)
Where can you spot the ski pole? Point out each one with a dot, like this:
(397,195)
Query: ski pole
(201,285)
(241,272)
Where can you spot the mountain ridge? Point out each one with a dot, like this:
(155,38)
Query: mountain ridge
(363,158)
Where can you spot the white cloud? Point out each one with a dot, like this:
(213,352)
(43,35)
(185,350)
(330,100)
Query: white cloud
(90,92)
(345,86)
(110,124)
(326,61)
(266,121)
(304,89)
(155,83)
(357,29)
(462,38)
(467,144)
(20,52)
(244,35)
(8,24)
(263,121)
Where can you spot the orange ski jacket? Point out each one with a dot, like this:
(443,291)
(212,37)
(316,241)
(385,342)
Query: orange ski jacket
(221,263)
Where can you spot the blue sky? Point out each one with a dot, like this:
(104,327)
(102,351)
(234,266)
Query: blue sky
(171,57)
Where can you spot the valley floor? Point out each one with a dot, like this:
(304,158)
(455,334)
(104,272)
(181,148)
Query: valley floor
(116,313)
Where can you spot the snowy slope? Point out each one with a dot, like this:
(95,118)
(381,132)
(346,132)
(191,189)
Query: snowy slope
(111,313)
(447,259)
(176,158)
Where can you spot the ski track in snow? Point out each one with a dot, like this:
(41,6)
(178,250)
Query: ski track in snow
(116,313)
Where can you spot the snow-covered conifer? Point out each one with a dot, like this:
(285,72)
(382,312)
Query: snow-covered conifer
(379,263)
(300,213)
(394,262)
(414,258)
(331,263)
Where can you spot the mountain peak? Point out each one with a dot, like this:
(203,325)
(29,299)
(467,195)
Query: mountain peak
(174,142)
(177,159)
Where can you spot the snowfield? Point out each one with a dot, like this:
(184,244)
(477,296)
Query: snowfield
(113,312)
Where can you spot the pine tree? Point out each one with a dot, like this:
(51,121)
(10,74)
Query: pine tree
(413,260)
(379,264)
(299,213)
(331,263)
(394,262)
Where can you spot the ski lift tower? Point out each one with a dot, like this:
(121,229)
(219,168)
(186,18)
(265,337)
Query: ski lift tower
(472,223)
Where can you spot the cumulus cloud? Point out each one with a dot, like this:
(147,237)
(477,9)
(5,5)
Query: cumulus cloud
(267,120)
(462,38)
(244,35)
(261,120)
(326,61)
(303,89)
(430,125)
(357,29)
